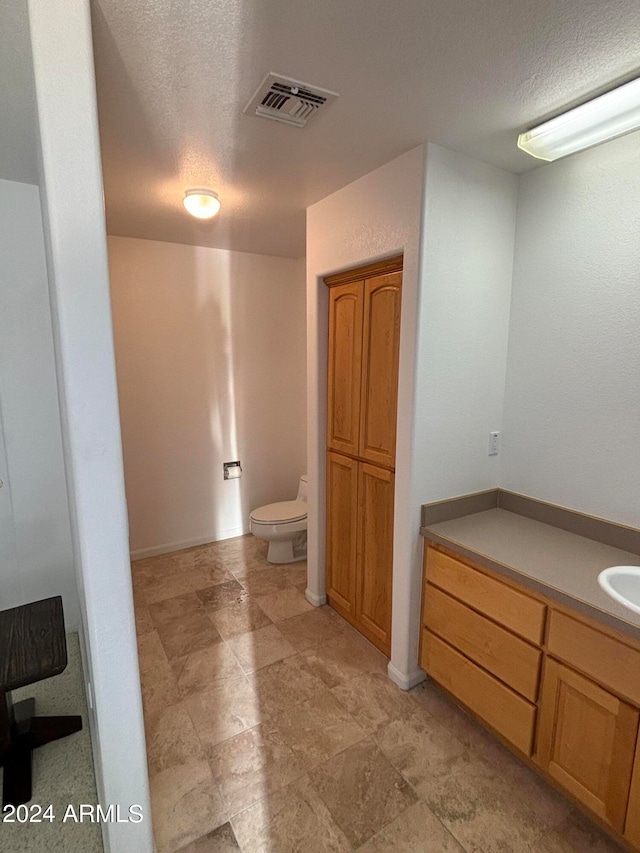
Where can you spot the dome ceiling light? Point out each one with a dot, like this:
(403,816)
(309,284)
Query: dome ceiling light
(202,203)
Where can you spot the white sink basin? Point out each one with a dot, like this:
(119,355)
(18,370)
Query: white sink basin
(622,583)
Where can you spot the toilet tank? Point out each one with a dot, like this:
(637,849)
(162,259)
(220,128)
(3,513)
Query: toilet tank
(302,488)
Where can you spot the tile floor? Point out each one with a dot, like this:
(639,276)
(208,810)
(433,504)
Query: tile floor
(271,726)
(63,771)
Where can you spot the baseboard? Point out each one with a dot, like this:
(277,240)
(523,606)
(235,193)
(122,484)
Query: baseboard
(316,600)
(169,547)
(405,682)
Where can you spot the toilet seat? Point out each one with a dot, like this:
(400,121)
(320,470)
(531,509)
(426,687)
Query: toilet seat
(283,512)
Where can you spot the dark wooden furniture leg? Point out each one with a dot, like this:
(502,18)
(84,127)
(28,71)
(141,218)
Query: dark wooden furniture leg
(29,732)
(34,649)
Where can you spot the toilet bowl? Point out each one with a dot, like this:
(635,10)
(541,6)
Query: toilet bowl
(284,526)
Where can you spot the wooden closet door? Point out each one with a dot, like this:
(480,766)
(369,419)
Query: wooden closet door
(381,350)
(586,741)
(375,554)
(344,367)
(342,519)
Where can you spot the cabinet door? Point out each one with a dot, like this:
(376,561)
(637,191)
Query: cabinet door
(342,515)
(632,825)
(381,349)
(375,554)
(344,367)
(586,741)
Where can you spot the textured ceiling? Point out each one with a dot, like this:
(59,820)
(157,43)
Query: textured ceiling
(18,128)
(174,76)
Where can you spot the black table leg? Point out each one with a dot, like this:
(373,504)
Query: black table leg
(28,732)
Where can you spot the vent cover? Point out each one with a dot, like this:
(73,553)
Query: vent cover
(286,100)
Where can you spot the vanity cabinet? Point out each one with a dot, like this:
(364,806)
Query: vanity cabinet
(362,392)
(560,689)
(586,741)
(480,641)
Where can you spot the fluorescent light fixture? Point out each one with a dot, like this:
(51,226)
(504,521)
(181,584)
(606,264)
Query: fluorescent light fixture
(203,204)
(605,117)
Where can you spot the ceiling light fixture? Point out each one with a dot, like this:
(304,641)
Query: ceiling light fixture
(201,203)
(606,117)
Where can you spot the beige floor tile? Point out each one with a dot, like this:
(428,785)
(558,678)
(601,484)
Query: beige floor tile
(186,804)
(582,835)
(416,830)
(260,648)
(221,840)
(144,622)
(207,575)
(251,766)
(528,787)
(296,573)
(150,651)
(263,580)
(188,635)
(291,820)
(433,701)
(204,556)
(166,613)
(199,671)
(362,790)
(284,604)
(153,568)
(171,739)
(240,567)
(240,546)
(317,729)
(159,689)
(284,685)
(478,806)
(161,589)
(241,617)
(374,701)
(549,806)
(221,595)
(344,657)
(225,710)
(423,750)
(311,628)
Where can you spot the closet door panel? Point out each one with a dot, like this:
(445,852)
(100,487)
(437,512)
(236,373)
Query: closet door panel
(375,554)
(342,519)
(381,350)
(344,367)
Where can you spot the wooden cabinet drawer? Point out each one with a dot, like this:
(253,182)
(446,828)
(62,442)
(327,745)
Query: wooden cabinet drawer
(515,610)
(503,709)
(508,657)
(608,661)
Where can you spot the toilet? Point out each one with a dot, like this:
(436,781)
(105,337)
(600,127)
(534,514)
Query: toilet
(284,526)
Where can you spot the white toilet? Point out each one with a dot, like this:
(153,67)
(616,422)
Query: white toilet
(284,526)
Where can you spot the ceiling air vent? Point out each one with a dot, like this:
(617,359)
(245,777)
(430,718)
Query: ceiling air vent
(287,100)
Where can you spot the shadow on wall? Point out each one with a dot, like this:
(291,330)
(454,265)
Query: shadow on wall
(175,380)
(210,349)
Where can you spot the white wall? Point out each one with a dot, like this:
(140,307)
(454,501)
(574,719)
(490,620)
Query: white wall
(463,327)
(75,242)
(34,477)
(455,314)
(375,217)
(572,411)
(467,263)
(210,348)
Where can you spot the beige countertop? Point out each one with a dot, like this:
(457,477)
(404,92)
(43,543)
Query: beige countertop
(559,564)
